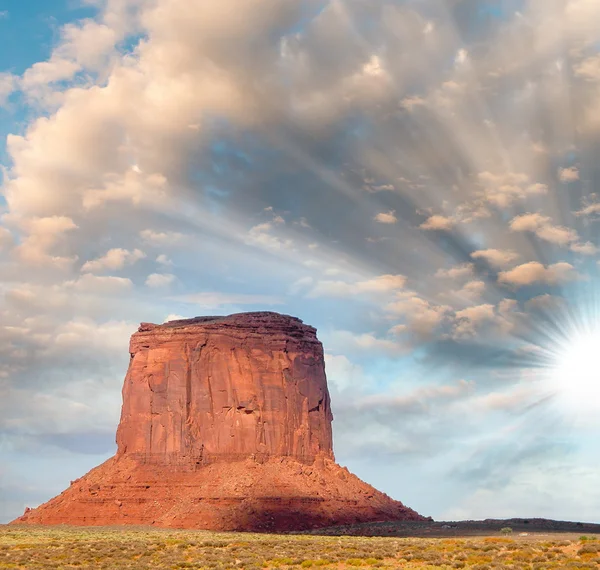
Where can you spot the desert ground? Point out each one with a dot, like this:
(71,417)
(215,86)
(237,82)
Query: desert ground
(434,546)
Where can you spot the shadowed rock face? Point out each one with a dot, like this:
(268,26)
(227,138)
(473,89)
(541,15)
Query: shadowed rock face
(225,425)
(225,388)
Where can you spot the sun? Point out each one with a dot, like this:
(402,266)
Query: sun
(575,376)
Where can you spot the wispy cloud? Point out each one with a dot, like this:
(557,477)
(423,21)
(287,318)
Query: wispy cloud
(210,300)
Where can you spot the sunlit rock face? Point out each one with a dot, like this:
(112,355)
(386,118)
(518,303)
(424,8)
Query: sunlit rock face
(226,388)
(225,425)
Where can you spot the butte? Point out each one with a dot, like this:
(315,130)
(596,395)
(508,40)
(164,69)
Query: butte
(225,425)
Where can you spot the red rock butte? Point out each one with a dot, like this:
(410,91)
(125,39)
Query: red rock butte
(225,425)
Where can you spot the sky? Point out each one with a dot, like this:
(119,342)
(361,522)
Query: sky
(415,178)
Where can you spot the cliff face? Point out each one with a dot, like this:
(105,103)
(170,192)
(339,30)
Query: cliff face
(225,388)
(225,425)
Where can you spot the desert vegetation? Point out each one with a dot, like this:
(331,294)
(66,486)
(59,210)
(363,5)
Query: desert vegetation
(45,548)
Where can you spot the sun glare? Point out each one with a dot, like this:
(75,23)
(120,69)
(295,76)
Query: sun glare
(575,377)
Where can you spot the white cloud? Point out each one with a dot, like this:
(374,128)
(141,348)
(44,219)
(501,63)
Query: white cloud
(411,103)
(44,236)
(472,290)
(216,299)
(88,43)
(6,239)
(496,257)
(587,248)
(502,190)
(141,108)
(588,69)
(437,222)
(157,280)
(46,72)
(529,222)
(376,285)
(300,285)
(81,332)
(161,238)
(133,186)
(544,302)
(542,491)
(469,320)
(102,285)
(590,208)
(508,400)
(263,236)
(386,217)
(567,175)
(535,272)
(558,235)
(365,84)
(381,284)
(342,374)
(113,259)
(457,272)
(461,56)
(578,22)
(28,298)
(379,188)
(163,259)
(472,211)
(173,317)
(7,86)
(351,342)
(422,317)
(84,45)
(62,155)
(542,227)
(419,398)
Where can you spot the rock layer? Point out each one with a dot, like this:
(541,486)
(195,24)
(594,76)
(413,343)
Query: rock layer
(225,425)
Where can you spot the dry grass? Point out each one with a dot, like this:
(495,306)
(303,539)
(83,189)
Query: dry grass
(45,548)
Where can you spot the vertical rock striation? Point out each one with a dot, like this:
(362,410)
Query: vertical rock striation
(224,388)
(225,425)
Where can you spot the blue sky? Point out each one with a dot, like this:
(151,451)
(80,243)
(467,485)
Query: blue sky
(29,31)
(415,179)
